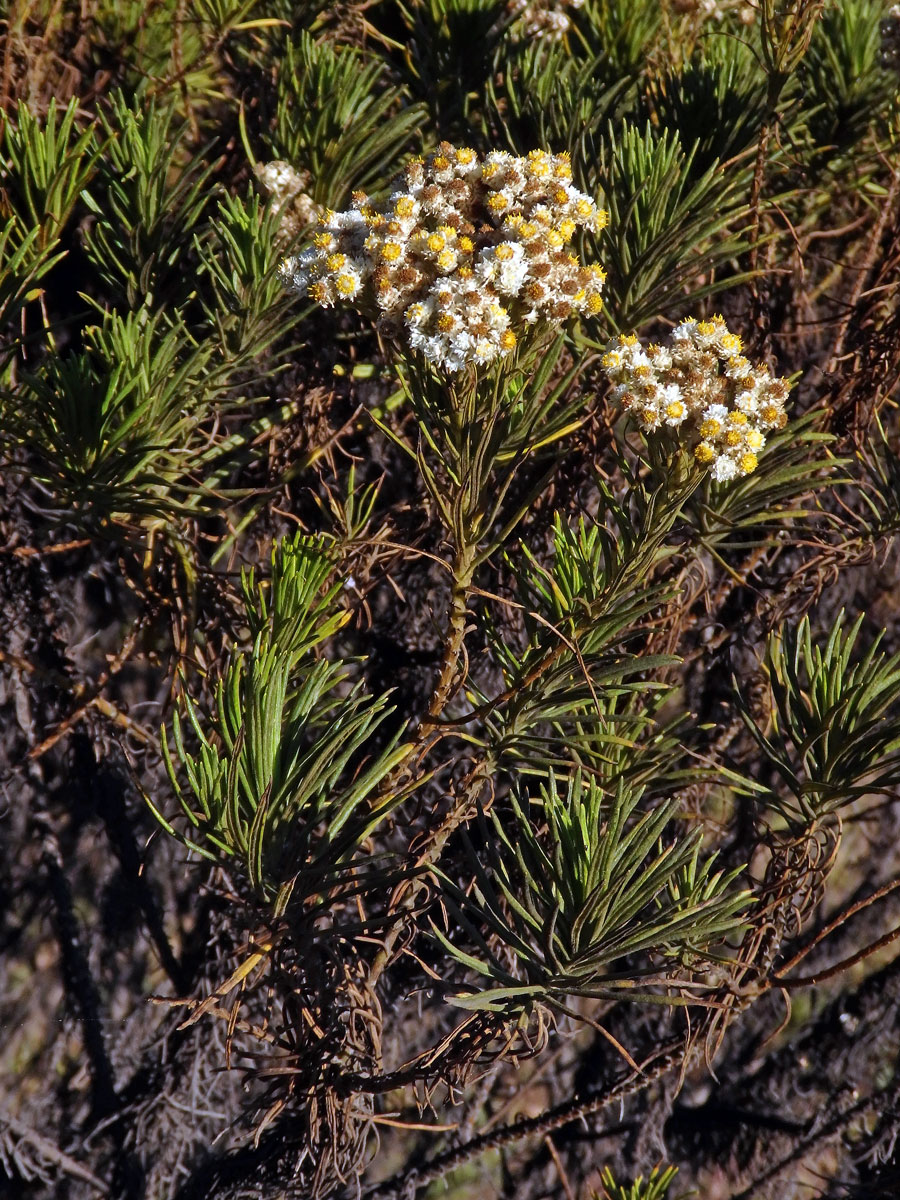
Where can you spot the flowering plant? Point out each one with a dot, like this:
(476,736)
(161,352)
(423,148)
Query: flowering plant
(700,387)
(377,521)
(462,253)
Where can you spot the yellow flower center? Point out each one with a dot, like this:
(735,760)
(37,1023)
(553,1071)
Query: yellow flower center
(748,463)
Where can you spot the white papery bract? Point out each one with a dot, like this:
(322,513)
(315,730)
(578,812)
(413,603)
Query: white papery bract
(287,188)
(463,253)
(541,19)
(700,387)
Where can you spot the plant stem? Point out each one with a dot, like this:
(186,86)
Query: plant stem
(463,570)
(405,896)
(665,1059)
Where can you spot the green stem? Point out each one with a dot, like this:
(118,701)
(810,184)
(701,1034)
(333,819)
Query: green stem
(463,570)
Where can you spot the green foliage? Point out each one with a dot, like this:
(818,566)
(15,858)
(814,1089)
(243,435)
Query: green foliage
(23,263)
(543,96)
(658,206)
(785,31)
(443,50)
(583,611)
(655,1187)
(880,483)
(580,891)
(716,102)
(844,82)
(338,118)
(279,779)
(475,436)
(166,48)
(148,198)
(835,733)
(116,427)
(246,305)
(46,164)
(621,32)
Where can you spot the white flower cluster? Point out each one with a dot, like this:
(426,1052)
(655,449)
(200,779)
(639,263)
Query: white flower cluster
(700,386)
(462,251)
(541,18)
(890,39)
(717,10)
(287,187)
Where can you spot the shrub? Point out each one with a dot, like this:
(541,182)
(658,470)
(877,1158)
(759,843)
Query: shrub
(449,669)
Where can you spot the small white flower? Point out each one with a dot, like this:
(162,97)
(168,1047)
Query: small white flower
(700,388)
(724,469)
(715,412)
(747,402)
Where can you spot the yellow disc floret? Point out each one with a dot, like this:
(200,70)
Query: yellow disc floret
(748,463)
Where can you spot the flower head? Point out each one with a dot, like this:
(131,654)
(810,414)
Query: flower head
(288,191)
(463,250)
(541,19)
(720,403)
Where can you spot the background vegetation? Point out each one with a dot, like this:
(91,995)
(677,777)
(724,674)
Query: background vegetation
(408,791)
